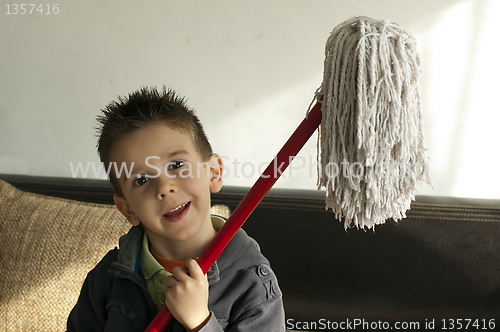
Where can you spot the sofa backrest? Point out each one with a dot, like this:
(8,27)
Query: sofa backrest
(47,246)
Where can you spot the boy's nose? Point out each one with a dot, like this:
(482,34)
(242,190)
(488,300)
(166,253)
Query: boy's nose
(165,185)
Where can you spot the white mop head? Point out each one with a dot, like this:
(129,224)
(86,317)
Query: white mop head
(371,132)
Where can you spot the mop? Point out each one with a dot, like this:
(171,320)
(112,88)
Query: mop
(369,109)
(372,124)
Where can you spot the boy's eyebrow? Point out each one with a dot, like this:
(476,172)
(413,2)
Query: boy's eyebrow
(176,153)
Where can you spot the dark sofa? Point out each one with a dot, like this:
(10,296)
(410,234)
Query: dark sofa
(439,265)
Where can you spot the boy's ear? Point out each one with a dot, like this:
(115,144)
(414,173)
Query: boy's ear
(216,169)
(123,206)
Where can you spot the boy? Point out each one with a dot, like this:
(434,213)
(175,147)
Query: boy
(166,198)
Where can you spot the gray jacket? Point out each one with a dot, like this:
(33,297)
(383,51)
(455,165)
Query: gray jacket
(243,291)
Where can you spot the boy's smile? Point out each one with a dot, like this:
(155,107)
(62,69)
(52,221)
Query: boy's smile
(168,190)
(177,213)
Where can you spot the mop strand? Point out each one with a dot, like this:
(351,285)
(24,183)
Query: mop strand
(372,123)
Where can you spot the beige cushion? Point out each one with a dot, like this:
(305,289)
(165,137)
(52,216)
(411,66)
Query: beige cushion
(47,246)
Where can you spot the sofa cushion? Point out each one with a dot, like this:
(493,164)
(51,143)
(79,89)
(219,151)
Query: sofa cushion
(47,246)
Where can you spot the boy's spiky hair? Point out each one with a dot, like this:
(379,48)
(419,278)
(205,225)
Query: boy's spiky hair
(140,109)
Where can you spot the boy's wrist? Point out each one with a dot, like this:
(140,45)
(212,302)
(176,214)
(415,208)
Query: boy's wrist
(199,326)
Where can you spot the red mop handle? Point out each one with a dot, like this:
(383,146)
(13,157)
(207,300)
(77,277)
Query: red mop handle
(254,196)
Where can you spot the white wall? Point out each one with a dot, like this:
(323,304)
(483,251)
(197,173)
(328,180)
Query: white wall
(249,68)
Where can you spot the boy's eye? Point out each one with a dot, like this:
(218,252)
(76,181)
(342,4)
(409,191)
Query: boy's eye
(175,164)
(141,180)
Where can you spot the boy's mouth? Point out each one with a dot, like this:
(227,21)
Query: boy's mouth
(178,210)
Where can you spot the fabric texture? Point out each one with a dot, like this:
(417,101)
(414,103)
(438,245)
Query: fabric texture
(47,246)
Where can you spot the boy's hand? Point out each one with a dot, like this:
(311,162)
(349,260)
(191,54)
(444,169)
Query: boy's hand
(186,296)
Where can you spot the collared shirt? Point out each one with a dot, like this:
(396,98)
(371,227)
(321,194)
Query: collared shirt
(155,274)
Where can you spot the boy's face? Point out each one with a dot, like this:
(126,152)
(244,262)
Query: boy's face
(169,187)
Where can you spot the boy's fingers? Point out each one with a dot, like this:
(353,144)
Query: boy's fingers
(179,274)
(194,269)
(171,281)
